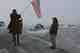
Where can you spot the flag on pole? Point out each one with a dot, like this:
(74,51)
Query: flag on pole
(36,7)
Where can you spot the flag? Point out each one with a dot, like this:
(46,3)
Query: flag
(36,7)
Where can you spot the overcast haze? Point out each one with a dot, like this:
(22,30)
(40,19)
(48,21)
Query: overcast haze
(67,8)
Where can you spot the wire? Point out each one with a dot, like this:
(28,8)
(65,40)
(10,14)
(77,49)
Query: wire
(25,7)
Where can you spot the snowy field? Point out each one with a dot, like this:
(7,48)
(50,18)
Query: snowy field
(67,38)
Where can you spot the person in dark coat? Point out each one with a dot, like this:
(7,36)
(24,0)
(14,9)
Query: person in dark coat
(15,26)
(53,32)
(13,16)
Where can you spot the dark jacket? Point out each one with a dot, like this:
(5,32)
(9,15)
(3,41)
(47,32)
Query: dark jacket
(54,27)
(15,25)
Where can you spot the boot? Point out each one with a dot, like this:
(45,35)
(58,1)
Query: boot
(52,47)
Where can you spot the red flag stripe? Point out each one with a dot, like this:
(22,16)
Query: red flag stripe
(36,7)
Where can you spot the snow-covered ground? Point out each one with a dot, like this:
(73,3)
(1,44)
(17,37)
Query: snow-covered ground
(67,38)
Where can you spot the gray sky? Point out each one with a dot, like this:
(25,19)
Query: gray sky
(67,8)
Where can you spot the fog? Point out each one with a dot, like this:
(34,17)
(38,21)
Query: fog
(67,8)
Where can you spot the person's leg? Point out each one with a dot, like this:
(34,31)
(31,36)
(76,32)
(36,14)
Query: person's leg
(53,41)
(14,38)
(18,42)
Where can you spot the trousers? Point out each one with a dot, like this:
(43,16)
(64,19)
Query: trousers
(16,38)
(52,39)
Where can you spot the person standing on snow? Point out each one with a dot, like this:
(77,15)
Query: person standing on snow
(53,32)
(15,26)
